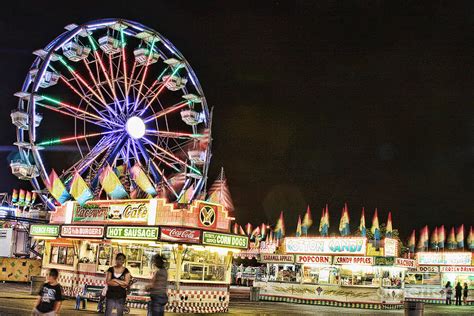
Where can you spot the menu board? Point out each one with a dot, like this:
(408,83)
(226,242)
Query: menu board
(326,245)
(225,240)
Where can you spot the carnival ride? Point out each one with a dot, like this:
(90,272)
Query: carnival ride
(114,98)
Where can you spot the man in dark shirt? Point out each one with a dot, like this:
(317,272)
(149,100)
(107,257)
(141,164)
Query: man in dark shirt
(50,296)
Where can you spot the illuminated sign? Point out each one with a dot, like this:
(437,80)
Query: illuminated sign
(323,245)
(312,259)
(226,240)
(390,247)
(176,234)
(207,216)
(384,261)
(444,258)
(82,231)
(354,260)
(401,262)
(130,232)
(90,213)
(271,258)
(457,269)
(44,230)
(136,212)
(267,247)
(94,213)
(427,269)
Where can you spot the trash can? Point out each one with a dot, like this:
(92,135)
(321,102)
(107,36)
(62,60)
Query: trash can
(36,282)
(254,291)
(413,308)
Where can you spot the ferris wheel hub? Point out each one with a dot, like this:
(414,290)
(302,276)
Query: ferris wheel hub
(135,127)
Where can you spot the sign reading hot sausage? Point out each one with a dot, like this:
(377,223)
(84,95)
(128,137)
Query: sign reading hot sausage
(313,259)
(354,260)
(177,234)
(124,232)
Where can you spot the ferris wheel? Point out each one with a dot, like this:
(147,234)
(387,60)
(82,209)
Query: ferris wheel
(113,93)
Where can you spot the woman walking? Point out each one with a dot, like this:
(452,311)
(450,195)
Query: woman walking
(158,287)
(118,279)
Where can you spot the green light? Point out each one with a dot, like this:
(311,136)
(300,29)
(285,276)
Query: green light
(94,47)
(51,99)
(195,170)
(122,38)
(175,71)
(61,59)
(162,74)
(53,141)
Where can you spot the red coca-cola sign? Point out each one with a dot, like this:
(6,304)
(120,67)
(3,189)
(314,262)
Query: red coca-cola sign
(177,234)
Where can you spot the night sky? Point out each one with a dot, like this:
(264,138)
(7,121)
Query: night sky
(370,103)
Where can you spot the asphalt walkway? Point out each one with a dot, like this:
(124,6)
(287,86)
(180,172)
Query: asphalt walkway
(16,300)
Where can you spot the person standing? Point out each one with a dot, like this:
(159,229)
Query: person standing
(158,287)
(50,296)
(465,292)
(458,293)
(449,292)
(118,279)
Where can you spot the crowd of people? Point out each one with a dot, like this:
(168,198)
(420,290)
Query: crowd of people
(459,291)
(118,281)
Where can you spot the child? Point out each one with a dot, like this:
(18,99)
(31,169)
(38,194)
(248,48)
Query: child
(50,296)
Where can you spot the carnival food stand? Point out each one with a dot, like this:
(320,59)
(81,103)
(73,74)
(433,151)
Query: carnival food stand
(82,241)
(335,271)
(434,269)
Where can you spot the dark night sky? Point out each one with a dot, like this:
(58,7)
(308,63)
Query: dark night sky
(368,103)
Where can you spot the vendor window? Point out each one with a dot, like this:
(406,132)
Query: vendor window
(319,275)
(359,275)
(422,278)
(62,255)
(392,277)
(139,259)
(203,265)
(283,272)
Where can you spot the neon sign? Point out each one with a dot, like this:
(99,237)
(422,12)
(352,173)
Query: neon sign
(322,245)
(444,258)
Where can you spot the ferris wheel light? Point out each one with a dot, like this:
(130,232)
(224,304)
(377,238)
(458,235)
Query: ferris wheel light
(135,127)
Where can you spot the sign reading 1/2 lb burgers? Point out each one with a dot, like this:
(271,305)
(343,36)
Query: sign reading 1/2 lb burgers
(127,232)
(225,240)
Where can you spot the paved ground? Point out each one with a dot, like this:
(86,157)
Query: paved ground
(15,300)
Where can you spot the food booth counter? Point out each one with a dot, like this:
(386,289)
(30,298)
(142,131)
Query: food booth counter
(333,271)
(434,269)
(82,242)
